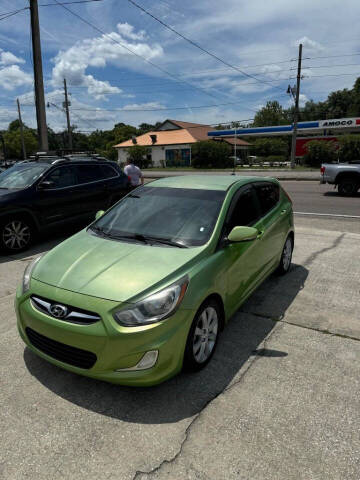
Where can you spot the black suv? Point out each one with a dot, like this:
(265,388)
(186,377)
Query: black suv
(49,192)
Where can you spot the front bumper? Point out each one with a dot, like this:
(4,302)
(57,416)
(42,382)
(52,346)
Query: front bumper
(115,347)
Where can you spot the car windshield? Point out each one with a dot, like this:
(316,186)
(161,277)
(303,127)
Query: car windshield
(176,216)
(21,175)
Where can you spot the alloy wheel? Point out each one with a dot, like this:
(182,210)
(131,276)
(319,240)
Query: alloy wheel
(205,334)
(287,254)
(16,235)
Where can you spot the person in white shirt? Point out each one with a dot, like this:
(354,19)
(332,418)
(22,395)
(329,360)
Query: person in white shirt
(134,173)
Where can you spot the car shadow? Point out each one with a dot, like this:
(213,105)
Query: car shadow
(45,242)
(337,194)
(186,394)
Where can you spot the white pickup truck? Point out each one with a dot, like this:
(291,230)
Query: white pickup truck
(346,176)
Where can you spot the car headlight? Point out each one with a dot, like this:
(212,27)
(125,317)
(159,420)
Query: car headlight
(154,308)
(27,274)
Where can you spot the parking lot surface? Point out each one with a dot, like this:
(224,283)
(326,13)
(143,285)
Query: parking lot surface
(279,399)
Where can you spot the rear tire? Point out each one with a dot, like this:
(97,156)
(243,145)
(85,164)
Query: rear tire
(286,257)
(348,187)
(16,234)
(203,336)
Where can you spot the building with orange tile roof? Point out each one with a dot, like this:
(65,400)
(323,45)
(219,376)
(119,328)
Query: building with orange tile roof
(170,145)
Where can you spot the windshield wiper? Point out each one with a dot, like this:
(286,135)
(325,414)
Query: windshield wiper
(99,230)
(133,236)
(167,241)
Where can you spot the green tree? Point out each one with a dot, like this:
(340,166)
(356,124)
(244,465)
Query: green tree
(272,114)
(13,143)
(320,151)
(137,155)
(211,154)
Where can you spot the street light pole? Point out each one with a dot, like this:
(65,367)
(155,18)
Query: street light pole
(296,111)
(235,151)
(38,77)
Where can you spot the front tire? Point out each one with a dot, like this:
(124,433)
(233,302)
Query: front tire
(286,256)
(16,234)
(203,336)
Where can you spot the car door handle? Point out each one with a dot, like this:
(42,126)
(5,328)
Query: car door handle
(283,211)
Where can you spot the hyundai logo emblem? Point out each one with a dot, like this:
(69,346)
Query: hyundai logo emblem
(58,311)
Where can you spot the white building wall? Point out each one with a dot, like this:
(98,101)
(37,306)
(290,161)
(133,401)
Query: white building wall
(158,153)
(122,155)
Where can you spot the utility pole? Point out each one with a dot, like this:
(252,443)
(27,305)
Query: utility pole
(38,78)
(296,111)
(66,106)
(21,131)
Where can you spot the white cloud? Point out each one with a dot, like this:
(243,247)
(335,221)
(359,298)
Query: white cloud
(8,58)
(98,52)
(127,30)
(309,44)
(12,77)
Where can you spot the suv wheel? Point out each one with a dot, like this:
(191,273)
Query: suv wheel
(347,187)
(286,256)
(16,234)
(203,337)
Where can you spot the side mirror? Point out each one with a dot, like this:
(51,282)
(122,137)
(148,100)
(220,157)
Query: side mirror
(242,234)
(99,214)
(46,185)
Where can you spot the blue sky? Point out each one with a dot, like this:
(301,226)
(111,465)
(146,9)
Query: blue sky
(108,84)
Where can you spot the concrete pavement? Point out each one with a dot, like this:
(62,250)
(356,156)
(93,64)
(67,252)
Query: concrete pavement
(279,400)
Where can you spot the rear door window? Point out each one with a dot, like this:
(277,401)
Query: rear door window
(89,173)
(268,195)
(107,171)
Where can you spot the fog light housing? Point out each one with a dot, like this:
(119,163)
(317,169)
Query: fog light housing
(147,361)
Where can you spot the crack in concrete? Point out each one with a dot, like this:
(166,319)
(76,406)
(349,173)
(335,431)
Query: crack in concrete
(251,361)
(314,255)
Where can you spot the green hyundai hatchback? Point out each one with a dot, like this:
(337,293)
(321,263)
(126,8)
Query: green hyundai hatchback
(146,289)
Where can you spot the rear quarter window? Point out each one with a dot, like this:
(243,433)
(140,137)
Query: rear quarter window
(268,195)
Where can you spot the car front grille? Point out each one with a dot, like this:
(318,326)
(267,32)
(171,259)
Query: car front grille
(59,351)
(72,314)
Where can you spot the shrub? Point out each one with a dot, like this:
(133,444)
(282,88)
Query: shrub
(318,152)
(269,146)
(211,154)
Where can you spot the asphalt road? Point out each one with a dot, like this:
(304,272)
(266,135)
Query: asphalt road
(311,197)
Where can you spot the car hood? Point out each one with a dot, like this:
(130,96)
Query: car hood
(110,269)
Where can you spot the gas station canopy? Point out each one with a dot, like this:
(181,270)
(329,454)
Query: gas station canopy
(318,127)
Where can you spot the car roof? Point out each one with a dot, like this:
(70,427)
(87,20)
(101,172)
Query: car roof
(206,181)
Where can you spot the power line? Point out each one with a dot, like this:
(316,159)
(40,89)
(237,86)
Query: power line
(334,56)
(132,52)
(4,16)
(67,3)
(197,45)
(330,66)
(190,107)
(329,75)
